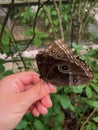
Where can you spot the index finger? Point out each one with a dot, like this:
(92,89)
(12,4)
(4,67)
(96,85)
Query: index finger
(29,78)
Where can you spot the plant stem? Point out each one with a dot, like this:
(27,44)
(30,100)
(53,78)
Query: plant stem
(50,20)
(88,118)
(59,18)
(40,5)
(5,21)
(72,21)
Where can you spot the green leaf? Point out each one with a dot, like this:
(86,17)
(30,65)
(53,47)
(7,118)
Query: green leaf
(38,125)
(1,76)
(91,126)
(8,72)
(57,128)
(95,76)
(1,68)
(78,48)
(50,30)
(68,89)
(89,92)
(5,41)
(28,128)
(55,23)
(77,89)
(54,12)
(60,117)
(41,34)
(57,108)
(65,101)
(95,87)
(22,125)
(5,38)
(66,17)
(95,68)
(2,61)
(28,33)
(56,122)
(29,117)
(95,119)
(37,42)
(92,103)
(46,22)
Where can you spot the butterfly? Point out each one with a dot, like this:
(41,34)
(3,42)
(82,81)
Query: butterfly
(59,66)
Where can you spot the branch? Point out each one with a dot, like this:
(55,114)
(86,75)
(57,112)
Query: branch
(88,118)
(50,20)
(89,10)
(72,20)
(5,21)
(59,18)
(40,5)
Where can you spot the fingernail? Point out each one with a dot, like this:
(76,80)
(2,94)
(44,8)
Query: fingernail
(49,102)
(52,88)
(45,111)
(37,115)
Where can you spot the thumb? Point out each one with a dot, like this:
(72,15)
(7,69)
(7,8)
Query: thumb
(38,91)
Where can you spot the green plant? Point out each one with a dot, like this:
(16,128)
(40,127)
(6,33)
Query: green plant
(38,37)
(26,16)
(4,72)
(94,36)
(68,21)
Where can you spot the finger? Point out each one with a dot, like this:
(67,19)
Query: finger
(38,91)
(41,108)
(25,77)
(35,112)
(19,81)
(25,82)
(46,101)
(29,77)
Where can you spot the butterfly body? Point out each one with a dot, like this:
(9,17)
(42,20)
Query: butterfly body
(59,66)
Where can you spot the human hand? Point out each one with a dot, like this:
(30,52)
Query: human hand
(20,93)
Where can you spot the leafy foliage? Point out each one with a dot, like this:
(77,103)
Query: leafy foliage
(4,72)
(73,107)
(77,104)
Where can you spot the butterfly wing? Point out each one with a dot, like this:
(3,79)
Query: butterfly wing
(42,63)
(49,71)
(60,50)
(59,66)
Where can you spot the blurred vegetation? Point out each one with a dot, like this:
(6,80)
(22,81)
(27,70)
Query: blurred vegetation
(74,108)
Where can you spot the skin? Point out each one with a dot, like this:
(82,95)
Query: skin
(21,93)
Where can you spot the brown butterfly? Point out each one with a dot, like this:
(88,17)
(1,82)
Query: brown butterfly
(58,65)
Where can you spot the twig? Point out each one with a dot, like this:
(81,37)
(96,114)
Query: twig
(83,20)
(5,21)
(40,5)
(88,118)
(12,28)
(90,8)
(19,54)
(80,18)
(72,21)
(50,20)
(59,18)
